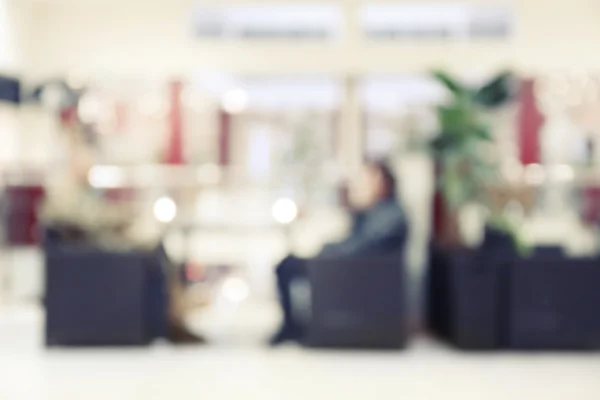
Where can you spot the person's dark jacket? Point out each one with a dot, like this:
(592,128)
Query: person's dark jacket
(379,230)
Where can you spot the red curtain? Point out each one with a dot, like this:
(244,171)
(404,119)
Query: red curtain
(175,146)
(530,123)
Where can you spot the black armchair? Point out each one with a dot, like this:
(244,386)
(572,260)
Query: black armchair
(467,293)
(95,297)
(358,303)
(494,299)
(554,304)
(466,300)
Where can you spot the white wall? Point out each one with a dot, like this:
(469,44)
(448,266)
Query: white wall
(154,38)
(10,20)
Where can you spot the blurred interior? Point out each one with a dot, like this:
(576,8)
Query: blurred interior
(211,117)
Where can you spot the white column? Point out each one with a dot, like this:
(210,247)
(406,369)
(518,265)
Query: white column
(10,57)
(9,65)
(351,32)
(350,137)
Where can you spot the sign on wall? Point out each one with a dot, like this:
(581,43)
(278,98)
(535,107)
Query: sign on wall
(268,21)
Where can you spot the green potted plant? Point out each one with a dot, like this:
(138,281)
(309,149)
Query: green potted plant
(465,286)
(463,166)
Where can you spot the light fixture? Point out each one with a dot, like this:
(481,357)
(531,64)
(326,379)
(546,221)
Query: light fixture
(165,209)
(106,177)
(235,101)
(284,211)
(235,289)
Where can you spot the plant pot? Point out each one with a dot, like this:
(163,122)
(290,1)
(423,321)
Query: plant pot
(467,301)
(463,301)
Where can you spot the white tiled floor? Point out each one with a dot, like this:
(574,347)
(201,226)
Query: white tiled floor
(236,368)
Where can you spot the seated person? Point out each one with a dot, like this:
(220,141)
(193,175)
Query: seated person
(75,210)
(379,227)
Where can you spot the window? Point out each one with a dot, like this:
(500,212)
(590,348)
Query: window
(435,21)
(269,21)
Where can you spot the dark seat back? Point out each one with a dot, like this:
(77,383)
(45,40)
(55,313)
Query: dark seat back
(358,303)
(554,303)
(94,297)
(63,235)
(466,293)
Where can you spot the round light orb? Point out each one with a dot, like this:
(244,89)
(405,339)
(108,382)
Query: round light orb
(284,211)
(235,289)
(106,176)
(165,209)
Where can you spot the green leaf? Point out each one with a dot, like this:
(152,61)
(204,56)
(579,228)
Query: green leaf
(455,87)
(497,91)
(465,171)
(456,119)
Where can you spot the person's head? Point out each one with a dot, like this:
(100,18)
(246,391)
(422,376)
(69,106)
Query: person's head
(375,183)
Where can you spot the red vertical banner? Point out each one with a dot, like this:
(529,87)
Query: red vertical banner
(175,145)
(224,137)
(530,123)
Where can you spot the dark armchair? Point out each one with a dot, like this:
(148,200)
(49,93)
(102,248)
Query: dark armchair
(492,298)
(96,297)
(358,303)
(553,304)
